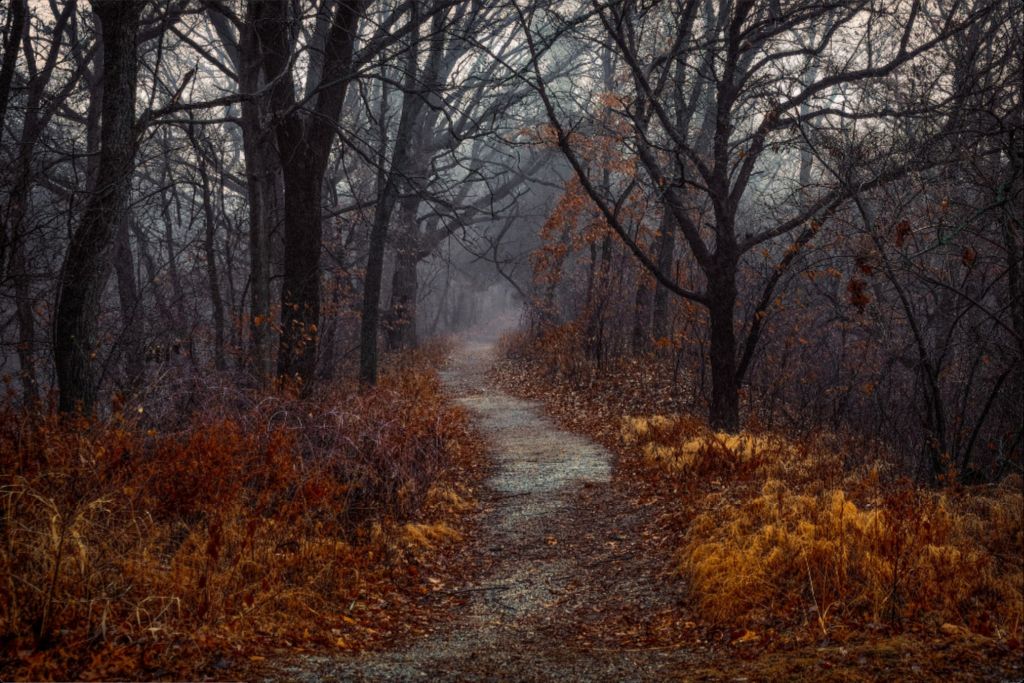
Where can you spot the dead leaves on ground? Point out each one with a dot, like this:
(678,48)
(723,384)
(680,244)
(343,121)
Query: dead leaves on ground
(779,642)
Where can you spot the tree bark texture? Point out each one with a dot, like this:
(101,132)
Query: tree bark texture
(303,134)
(87,263)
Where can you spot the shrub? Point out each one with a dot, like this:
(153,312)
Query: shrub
(117,538)
(905,556)
(817,541)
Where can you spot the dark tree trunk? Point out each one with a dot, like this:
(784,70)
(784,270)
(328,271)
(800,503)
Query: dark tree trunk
(303,133)
(87,263)
(300,292)
(152,275)
(131,312)
(262,171)
(665,246)
(401,327)
(264,215)
(329,345)
(415,245)
(387,196)
(372,282)
(588,300)
(1010,228)
(20,274)
(725,403)
(25,314)
(641,316)
(167,197)
(401,332)
(598,299)
(212,275)
(16,16)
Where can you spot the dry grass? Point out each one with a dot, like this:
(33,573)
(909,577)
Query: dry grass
(684,446)
(913,557)
(429,535)
(797,537)
(126,550)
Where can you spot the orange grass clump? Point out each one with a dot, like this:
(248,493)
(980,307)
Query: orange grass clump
(906,556)
(683,446)
(808,540)
(123,549)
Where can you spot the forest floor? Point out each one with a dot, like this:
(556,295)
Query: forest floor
(569,577)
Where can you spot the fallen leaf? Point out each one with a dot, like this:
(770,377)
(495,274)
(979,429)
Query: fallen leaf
(954,630)
(748,636)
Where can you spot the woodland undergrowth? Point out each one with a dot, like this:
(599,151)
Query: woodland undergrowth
(133,548)
(815,532)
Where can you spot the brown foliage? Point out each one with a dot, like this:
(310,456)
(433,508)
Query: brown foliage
(789,533)
(126,550)
(808,540)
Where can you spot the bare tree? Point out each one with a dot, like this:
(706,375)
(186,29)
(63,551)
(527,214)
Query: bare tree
(711,92)
(87,264)
(304,127)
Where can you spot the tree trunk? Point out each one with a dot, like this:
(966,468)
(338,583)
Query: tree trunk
(725,402)
(17,214)
(329,342)
(304,133)
(26,323)
(594,339)
(1009,223)
(167,197)
(387,195)
(216,301)
(152,275)
(262,171)
(87,263)
(300,291)
(16,16)
(401,328)
(129,300)
(371,284)
(641,316)
(665,245)
(401,332)
(210,252)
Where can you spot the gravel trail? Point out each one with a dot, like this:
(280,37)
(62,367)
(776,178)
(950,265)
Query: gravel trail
(551,537)
(574,579)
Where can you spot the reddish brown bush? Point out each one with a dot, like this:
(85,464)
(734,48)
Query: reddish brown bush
(124,546)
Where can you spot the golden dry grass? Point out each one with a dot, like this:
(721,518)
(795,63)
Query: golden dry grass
(798,538)
(428,535)
(684,446)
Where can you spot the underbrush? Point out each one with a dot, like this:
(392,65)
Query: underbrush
(794,536)
(128,550)
(813,533)
(617,386)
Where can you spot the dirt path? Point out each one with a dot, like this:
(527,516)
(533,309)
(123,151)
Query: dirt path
(570,581)
(563,594)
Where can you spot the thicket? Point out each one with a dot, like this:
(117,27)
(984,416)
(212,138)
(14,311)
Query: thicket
(130,548)
(807,529)
(795,535)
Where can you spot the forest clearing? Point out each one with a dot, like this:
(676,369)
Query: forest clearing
(589,340)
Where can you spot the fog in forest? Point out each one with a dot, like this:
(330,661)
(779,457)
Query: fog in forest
(297,295)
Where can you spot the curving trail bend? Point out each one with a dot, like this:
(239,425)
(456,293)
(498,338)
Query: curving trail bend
(555,538)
